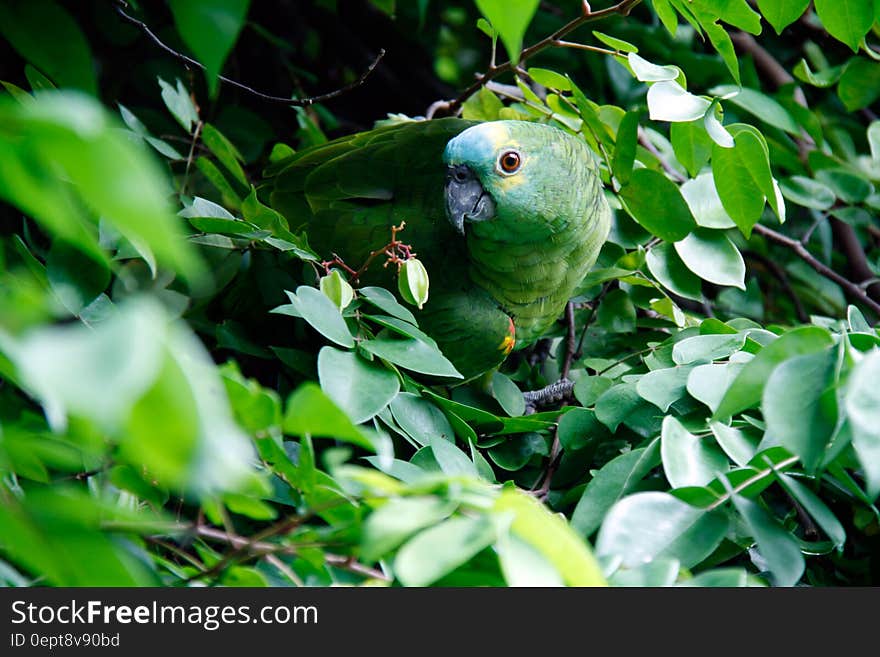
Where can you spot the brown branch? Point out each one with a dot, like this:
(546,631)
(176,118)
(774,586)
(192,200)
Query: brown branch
(570,341)
(857,261)
(667,167)
(295,102)
(396,252)
(542,492)
(622,8)
(849,287)
(263,548)
(784,282)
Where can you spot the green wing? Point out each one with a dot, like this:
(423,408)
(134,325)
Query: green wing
(348,193)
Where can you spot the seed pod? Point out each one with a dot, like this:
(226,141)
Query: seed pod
(413,282)
(337,289)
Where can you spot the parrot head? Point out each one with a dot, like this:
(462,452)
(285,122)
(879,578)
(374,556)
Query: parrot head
(513,180)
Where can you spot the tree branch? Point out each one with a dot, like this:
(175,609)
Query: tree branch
(570,341)
(784,281)
(622,8)
(262,548)
(295,102)
(854,291)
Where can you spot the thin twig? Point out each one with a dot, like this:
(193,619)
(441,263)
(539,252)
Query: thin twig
(262,547)
(189,158)
(667,167)
(851,288)
(622,8)
(570,340)
(559,43)
(544,490)
(295,102)
(784,282)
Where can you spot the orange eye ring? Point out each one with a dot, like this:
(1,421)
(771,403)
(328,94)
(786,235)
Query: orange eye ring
(509,162)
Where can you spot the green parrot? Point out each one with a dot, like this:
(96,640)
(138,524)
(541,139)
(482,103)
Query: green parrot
(507,217)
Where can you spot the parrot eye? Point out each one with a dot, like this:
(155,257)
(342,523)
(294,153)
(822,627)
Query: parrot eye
(509,162)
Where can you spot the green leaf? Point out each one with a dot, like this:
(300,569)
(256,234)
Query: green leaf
(714,128)
(482,106)
(819,511)
(847,21)
(523,565)
(398,519)
(713,257)
(724,578)
(617,312)
(228,154)
(421,419)
(437,551)
(760,105)
(645,71)
(76,278)
(625,147)
(807,192)
(823,78)
(210,28)
(723,44)
(663,387)
(588,389)
(782,13)
(706,348)
(669,101)
(321,314)
(798,413)
(733,12)
(510,20)
(692,145)
(736,443)
(705,204)
(63,152)
(613,42)
(517,450)
(310,412)
(648,526)
(688,460)
(848,187)
(862,402)
(873,135)
(451,459)
(748,387)
(384,300)
(149,384)
(551,536)
(742,177)
(708,383)
(667,15)
(617,404)
(657,204)
(777,546)
(179,103)
(549,79)
(616,479)
(669,270)
(47,36)
(657,573)
(410,354)
(508,394)
(360,388)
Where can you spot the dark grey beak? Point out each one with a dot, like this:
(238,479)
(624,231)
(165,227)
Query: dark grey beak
(466,200)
